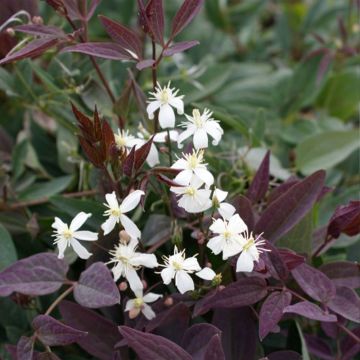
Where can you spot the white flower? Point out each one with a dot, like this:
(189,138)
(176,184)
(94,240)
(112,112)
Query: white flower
(165,98)
(127,261)
(226,210)
(140,304)
(69,235)
(124,140)
(192,198)
(229,235)
(178,267)
(116,213)
(200,126)
(206,273)
(192,164)
(251,250)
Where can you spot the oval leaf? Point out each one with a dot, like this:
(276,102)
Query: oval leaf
(343,273)
(310,311)
(8,253)
(180,47)
(25,348)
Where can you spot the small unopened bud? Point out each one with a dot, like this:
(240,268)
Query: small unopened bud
(221,287)
(208,264)
(169,301)
(10,31)
(124,236)
(201,241)
(123,286)
(145,285)
(216,281)
(37,20)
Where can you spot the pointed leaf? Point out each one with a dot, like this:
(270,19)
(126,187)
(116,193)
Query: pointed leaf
(272,311)
(310,311)
(52,332)
(142,153)
(25,348)
(39,274)
(150,347)
(287,210)
(180,47)
(243,207)
(155,20)
(128,164)
(144,64)
(40,30)
(343,273)
(96,287)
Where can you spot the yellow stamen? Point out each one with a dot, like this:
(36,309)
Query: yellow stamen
(138,303)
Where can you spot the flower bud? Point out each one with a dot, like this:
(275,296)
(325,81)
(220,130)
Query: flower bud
(37,20)
(145,285)
(10,31)
(123,286)
(169,301)
(124,236)
(216,281)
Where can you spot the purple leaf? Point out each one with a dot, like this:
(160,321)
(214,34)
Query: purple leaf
(275,263)
(188,10)
(286,211)
(96,287)
(39,274)
(349,347)
(239,332)
(102,333)
(103,50)
(25,348)
(180,47)
(323,66)
(291,259)
(284,355)
(260,183)
(40,30)
(318,347)
(150,347)
(155,20)
(272,311)
(125,37)
(142,153)
(282,188)
(243,207)
(93,5)
(143,64)
(310,311)
(315,283)
(346,303)
(246,291)
(128,163)
(202,342)
(46,356)
(32,49)
(52,332)
(343,273)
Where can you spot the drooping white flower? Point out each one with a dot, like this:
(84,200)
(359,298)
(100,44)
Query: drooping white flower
(127,261)
(206,273)
(190,165)
(251,250)
(200,126)
(179,267)
(192,198)
(124,140)
(140,304)
(66,236)
(229,236)
(116,213)
(225,210)
(165,99)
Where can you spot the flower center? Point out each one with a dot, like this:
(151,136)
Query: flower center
(191,191)
(249,244)
(138,303)
(197,118)
(120,141)
(227,234)
(115,212)
(176,265)
(67,234)
(164,96)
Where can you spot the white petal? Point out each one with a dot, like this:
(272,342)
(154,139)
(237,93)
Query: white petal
(200,139)
(147,260)
(205,175)
(216,244)
(133,279)
(184,282)
(58,224)
(130,227)
(178,104)
(184,135)
(231,248)
(112,200)
(80,249)
(167,275)
(152,107)
(151,297)
(206,274)
(129,305)
(244,262)
(220,195)
(226,210)
(179,190)
(153,156)
(218,226)
(214,130)
(61,247)
(131,201)
(166,117)
(85,235)
(79,221)
(117,271)
(183,177)
(191,264)
(148,311)
(109,224)
(236,224)
(180,164)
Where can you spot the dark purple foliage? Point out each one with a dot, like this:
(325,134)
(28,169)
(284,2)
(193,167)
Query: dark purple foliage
(349,346)
(41,30)
(272,311)
(155,20)
(318,347)
(150,347)
(275,263)
(52,332)
(343,273)
(144,64)
(96,287)
(310,311)
(180,47)
(291,259)
(284,355)
(39,274)
(25,348)
(315,283)
(243,207)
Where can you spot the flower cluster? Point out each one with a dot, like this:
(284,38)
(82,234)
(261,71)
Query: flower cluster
(195,191)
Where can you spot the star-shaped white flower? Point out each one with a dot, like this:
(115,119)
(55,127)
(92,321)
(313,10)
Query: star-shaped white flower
(229,235)
(179,267)
(251,250)
(165,99)
(192,198)
(127,261)
(140,304)
(192,164)
(66,236)
(124,140)
(116,213)
(200,126)
(225,210)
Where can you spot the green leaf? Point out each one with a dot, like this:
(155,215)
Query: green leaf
(45,189)
(18,159)
(8,253)
(304,349)
(325,150)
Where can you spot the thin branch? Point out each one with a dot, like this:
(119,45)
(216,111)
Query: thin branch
(59,299)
